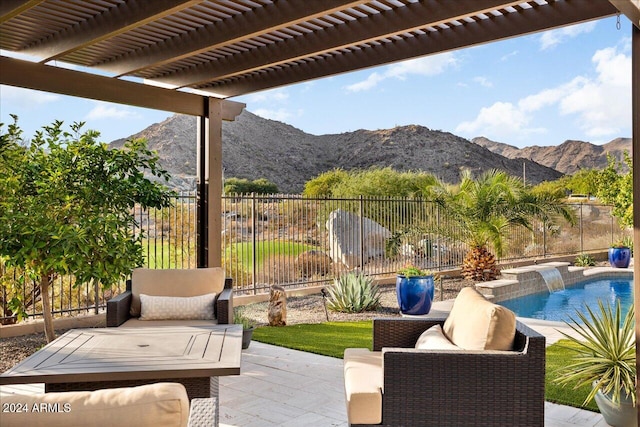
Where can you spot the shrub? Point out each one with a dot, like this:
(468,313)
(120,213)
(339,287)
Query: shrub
(585,260)
(353,293)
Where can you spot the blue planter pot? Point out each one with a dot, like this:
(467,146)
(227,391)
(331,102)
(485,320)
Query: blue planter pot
(619,257)
(415,294)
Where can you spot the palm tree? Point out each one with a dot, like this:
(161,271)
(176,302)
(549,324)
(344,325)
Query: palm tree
(485,208)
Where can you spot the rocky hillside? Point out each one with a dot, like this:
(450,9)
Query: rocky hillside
(568,157)
(254,147)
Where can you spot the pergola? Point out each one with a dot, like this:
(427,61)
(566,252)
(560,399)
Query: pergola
(189,56)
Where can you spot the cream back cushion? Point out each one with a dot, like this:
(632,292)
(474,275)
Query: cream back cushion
(177,308)
(174,283)
(153,405)
(477,324)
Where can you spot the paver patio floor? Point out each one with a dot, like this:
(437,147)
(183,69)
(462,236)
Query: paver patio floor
(289,388)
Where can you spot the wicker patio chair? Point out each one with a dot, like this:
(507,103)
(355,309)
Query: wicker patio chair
(172,283)
(458,388)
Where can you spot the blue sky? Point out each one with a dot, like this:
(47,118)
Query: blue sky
(542,89)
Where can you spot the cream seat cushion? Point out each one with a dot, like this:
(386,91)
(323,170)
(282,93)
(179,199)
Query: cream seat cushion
(174,283)
(153,405)
(477,324)
(363,381)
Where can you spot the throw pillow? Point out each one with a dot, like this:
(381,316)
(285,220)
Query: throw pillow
(176,308)
(434,339)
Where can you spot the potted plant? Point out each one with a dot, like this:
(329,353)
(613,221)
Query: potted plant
(620,254)
(606,361)
(414,290)
(247,327)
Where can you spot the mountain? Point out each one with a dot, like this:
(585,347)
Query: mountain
(254,147)
(568,157)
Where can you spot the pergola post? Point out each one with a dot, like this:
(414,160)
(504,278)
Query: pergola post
(635,135)
(209,222)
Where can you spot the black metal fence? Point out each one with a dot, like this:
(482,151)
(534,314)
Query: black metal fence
(296,241)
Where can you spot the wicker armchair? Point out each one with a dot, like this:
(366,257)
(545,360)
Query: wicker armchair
(458,388)
(172,282)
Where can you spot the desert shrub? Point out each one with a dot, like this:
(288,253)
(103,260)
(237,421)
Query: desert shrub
(244,186)
(585,260)
(353,293)
(313,262)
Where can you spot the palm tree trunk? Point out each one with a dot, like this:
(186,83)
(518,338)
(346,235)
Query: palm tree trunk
(45,283)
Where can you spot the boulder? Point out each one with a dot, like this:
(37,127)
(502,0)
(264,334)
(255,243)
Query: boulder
(352,238)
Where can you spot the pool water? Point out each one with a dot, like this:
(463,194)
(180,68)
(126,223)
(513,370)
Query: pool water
(559,305)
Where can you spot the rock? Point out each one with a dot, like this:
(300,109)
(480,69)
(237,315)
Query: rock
(346,240)
(313,262)
(277,313)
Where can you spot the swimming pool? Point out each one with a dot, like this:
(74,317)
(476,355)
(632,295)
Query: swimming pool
(559,305)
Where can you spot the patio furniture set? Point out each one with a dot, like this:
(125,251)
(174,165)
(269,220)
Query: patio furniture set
(169,326)
(479,366)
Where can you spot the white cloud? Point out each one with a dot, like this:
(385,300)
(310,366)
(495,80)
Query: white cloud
(483,81)
(509,55)
(26,98)
(549,39)
(425,66)
(280,114)
(603,104)
(502,118)
(600,104)
(104,111)
(274,95)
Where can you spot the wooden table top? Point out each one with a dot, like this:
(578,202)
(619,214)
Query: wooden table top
(113,354)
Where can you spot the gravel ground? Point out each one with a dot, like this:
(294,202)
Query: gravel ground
(307,309)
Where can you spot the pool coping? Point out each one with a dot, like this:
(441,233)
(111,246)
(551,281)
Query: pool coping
(527,280)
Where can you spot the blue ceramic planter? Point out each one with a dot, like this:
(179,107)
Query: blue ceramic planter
(415,294)
(619,257)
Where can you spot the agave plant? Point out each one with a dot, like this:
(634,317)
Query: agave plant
(353,293)
(605,353)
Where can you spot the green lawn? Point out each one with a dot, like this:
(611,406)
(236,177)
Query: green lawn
(242,251)
(332,338)
(160,254)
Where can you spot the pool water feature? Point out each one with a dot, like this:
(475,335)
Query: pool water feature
(552,278)
(562,304)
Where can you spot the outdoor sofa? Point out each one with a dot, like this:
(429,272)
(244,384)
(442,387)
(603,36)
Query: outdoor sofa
(152,405)
(442,384)
(172,297)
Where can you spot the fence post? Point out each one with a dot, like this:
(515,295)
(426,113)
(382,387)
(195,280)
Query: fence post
(361,232)
(581,231)
(544,239)
(254,257)
(438,243)
(611,216)
(96,298)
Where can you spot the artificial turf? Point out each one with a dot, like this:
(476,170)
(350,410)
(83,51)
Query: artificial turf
(332,338)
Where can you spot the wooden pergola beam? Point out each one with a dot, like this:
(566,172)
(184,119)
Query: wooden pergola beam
(30,75)
(383,25)
(482,31)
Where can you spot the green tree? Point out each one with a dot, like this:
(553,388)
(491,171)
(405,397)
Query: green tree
(323,184)
(374,181)
(585,181)
(66,206)
(244,186)
(485,208)
(616,188)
